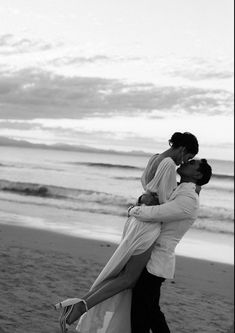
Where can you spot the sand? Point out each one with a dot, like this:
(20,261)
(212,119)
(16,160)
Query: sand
(38,268)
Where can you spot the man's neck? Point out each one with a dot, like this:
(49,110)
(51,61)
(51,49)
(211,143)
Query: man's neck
(198,188)
(187,180)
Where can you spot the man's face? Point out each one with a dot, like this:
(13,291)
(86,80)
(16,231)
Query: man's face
(189,169)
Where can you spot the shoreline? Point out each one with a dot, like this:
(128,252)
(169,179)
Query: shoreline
(196,243)
(41,267)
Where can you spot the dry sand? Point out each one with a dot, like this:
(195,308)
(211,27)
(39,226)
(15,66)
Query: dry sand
(38,268)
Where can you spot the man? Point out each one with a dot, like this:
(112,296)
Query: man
(176,216)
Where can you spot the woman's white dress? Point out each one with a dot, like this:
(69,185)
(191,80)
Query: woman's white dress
(113,315)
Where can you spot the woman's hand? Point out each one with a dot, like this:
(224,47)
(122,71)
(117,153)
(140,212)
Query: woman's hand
(148,199)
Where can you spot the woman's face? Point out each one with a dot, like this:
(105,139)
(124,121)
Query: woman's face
(183,156)
(187,157)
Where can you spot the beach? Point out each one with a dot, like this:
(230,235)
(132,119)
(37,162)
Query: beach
(90,91)
(39,268)
(62,215)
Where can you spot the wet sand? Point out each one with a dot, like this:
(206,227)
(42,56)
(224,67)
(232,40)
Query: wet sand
(38,268)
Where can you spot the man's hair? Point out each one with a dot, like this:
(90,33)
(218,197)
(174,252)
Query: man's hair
(206,171)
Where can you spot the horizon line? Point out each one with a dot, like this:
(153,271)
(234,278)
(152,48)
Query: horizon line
(9,142)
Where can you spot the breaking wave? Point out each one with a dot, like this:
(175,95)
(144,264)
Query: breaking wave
(214,219)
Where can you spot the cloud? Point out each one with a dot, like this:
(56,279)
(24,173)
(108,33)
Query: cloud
(202,74)
(198,69)
(33,93)
(66,61)
(9,45)
(100,58)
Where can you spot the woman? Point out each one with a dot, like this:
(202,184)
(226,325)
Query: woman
(107,305)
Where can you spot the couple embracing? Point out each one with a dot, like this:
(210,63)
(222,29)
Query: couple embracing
(125,296)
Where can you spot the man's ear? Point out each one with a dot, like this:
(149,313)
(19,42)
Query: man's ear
(182,149)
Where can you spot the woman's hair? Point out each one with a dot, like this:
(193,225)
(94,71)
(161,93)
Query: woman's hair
(187,140)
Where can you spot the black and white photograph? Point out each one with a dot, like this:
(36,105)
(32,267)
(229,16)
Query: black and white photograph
(117,166)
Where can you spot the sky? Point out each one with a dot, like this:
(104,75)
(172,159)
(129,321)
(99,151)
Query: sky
(121,75)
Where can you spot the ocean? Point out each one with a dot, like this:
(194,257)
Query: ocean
(88,193)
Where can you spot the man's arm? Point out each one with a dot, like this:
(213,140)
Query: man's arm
(182,207)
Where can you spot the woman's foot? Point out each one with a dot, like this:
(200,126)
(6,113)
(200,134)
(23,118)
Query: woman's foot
(78,310)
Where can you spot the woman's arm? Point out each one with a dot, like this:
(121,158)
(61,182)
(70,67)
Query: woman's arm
(164,180)
(150,170)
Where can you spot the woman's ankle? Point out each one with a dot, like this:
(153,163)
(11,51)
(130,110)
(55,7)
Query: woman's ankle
(78,310)
(84,306)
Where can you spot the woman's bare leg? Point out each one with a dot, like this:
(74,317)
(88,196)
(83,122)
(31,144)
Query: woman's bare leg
(125,280)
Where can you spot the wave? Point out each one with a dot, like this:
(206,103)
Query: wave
(215,219)
(107,165)
(127,178)
(226,177)
(203,222)
(222,176)
(218,213)
(56,192)
(221,188)
(131,167)
(89,164)
(28,166)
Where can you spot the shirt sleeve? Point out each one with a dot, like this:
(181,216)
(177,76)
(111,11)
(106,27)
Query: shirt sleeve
(164,180)
(148,173)
(182,207)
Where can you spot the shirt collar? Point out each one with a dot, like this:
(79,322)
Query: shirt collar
(188,186)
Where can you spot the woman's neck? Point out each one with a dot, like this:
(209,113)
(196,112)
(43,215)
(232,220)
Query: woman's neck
(170,153)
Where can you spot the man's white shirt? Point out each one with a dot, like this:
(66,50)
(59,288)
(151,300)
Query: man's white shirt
(176,216)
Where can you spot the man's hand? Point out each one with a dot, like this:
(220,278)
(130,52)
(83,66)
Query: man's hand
(129,209)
